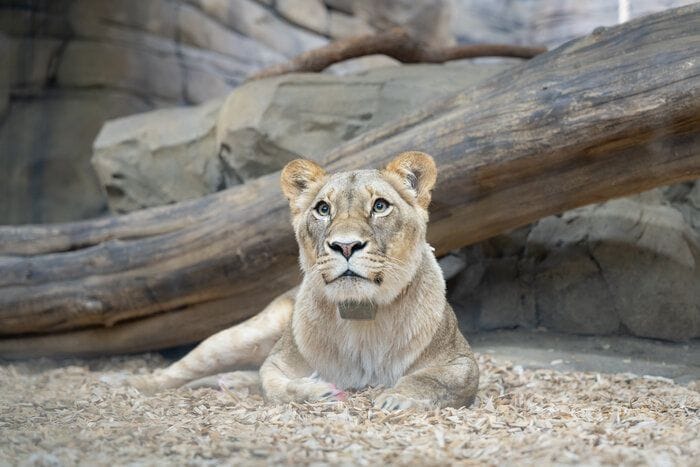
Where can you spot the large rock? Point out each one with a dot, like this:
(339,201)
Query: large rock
(644,274)
(490,294)
(307,115)
(656,280)
(626,266)
(261,126)
(178,144)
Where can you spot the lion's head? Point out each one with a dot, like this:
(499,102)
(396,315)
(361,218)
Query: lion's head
(361,234)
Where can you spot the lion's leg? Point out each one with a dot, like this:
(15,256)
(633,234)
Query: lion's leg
(452,382)
(242,346)
(286,377)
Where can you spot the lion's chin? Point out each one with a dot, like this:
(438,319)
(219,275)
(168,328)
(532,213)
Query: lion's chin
(357,289)
(354,288)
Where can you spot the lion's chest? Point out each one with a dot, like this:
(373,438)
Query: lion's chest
(364,354)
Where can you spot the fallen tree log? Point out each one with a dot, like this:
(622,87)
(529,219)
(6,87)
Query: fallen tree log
(613,113)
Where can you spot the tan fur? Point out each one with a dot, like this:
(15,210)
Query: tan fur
(413,347)
(245,345)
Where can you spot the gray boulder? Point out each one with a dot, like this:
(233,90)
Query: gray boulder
(625,266)
(260,127)
(166,143)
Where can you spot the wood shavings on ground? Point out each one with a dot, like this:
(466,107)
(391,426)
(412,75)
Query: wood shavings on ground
(60,413)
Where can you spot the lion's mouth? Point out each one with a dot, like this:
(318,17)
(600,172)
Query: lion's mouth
(349,273)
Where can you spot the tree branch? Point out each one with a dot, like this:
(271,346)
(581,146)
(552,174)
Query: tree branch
(395,43)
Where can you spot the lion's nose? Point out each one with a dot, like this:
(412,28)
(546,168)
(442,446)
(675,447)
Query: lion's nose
(347,249)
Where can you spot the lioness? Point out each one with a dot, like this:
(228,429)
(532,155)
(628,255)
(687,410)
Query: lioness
(363,253)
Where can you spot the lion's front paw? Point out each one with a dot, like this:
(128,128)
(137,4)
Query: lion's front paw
(146,384)
(392,400)
(312,390)
(151,383)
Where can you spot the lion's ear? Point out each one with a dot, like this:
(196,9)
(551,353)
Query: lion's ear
(298,176)
(418,171)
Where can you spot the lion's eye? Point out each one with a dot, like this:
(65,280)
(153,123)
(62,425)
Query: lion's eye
(380,205)
(323,208)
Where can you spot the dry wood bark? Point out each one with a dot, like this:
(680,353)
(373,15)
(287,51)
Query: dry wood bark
(611,114)
(395,43)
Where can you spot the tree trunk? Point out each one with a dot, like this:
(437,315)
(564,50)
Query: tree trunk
(607,115)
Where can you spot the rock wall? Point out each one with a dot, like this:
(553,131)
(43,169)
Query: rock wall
(544,22)
(67,66)
(70,65)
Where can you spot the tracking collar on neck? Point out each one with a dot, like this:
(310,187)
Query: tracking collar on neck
(363,310)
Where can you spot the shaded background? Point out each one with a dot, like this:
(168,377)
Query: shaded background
(68,66)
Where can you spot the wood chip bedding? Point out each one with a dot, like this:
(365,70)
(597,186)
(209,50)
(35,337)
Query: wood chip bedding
(60,413)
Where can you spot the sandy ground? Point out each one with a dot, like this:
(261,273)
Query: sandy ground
(60,413)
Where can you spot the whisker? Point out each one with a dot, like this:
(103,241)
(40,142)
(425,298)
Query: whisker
(386,257)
